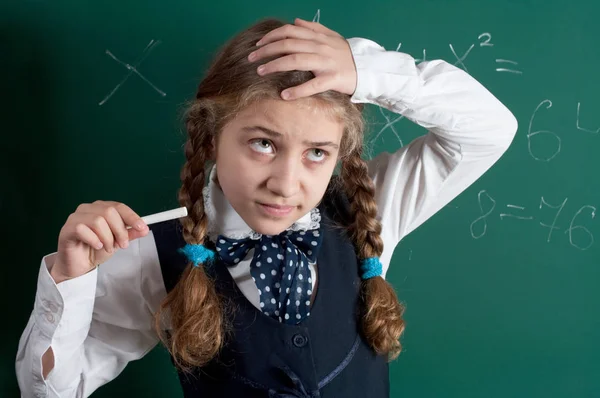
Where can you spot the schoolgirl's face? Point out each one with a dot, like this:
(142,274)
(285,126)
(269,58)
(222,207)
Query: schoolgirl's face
(275,159)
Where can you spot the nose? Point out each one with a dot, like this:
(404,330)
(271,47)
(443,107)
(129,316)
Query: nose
(284,179)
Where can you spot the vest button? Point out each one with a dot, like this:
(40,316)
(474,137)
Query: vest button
(299,340)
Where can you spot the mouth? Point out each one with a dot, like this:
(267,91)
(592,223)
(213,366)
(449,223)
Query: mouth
(276,210)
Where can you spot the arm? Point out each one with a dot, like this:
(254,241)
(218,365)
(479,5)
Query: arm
(469,130)
(93,324)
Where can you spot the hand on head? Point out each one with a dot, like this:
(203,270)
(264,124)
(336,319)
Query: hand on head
(308,46)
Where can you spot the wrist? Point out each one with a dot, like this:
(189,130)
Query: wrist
(57,275)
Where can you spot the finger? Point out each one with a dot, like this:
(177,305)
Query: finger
(135,234)
(294,32)
(311,87)
(99,226)
(119,217)
(129,217)
(317,27)
(117,225)
(287,46)
(290,62)
(84,234)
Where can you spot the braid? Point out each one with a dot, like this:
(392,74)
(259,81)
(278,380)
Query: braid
(197,319)
(382,322)
(193,175)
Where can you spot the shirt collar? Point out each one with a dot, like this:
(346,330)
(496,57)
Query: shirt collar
(224,220)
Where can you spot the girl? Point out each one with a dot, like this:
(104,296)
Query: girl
(258,292)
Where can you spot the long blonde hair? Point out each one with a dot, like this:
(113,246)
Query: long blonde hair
(198,317)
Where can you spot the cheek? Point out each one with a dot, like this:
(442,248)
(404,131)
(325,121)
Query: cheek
(317,185)
(237,176)
(233,188)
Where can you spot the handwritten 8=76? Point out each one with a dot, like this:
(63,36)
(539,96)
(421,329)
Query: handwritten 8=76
(577,232)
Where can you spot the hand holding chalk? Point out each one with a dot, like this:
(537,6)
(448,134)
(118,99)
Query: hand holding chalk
(95,230)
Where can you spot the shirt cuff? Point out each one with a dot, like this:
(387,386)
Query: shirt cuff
(61,309)
(384,77)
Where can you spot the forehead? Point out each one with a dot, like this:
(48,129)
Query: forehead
(303,119)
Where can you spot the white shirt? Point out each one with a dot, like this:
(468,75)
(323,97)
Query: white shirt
(100,321)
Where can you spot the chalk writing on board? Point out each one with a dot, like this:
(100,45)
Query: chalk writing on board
(481,221)
(582,228)
(486,42)
(518,217)
(505,65)
(391,119)
(463,58)
(389,123)
(550,138)
(317,17)
(506,61)
(560,208)
(579,236)
(572,227)
(542,133)
(424,57)
(581,128)
(133,69)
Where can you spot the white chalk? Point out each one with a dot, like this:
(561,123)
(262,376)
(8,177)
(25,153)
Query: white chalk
(164,216)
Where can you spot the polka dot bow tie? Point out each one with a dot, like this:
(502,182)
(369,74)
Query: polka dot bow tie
(279,269)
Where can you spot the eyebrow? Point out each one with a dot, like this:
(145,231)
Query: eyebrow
(275,134)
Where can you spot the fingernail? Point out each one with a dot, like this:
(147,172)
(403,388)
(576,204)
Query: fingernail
(99,246)
(140,225)
(261,69)
(285,94)
(124,244)
(252,56)
(258,43)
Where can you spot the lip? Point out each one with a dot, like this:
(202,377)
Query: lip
(276,210)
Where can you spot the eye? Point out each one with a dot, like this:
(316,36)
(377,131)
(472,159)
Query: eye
(262,145)
(316,155)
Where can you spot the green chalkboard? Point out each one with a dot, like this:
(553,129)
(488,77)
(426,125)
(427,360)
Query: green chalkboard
(501,286)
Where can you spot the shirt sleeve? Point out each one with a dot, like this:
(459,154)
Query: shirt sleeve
(95,323)
(468,131)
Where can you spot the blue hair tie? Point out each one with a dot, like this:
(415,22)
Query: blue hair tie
(198,254)
(371,267)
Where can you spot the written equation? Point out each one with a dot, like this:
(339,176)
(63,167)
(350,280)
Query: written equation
(485,40)
(550,216)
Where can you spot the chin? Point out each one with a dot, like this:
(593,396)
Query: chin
(269,227)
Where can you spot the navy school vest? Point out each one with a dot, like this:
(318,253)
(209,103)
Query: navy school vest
(324,356)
